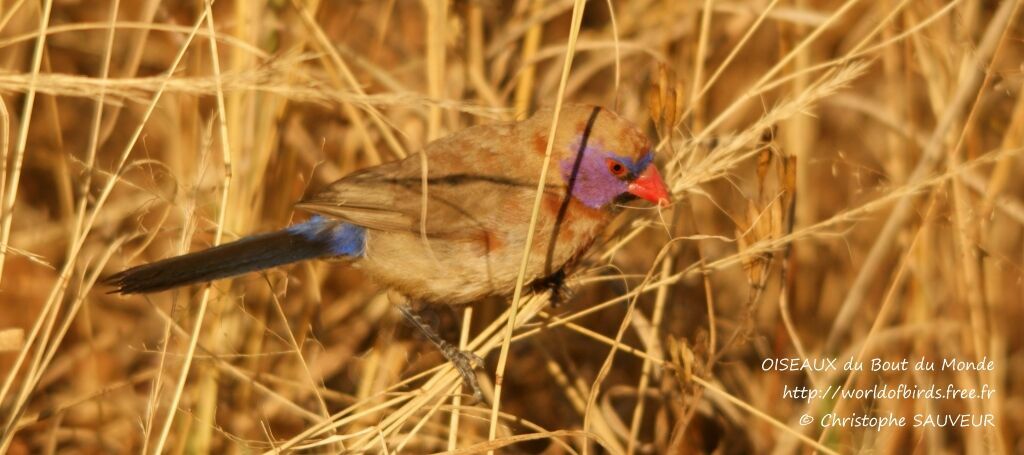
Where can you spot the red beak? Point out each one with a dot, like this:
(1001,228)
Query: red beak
(649,186)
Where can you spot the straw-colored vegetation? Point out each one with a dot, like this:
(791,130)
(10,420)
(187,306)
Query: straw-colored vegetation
(843,183)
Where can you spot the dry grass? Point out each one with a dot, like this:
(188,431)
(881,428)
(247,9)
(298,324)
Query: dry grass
(843,177)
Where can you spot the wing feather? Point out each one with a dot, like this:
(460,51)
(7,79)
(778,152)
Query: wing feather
(389,197)
(480,179)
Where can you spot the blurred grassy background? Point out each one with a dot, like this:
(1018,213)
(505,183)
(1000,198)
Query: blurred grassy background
(844,183)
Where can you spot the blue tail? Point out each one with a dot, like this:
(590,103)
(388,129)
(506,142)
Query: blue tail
(316,238)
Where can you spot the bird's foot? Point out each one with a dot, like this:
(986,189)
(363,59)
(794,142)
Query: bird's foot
(465,362)
(560,292)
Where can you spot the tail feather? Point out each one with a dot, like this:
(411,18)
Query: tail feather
(314,239)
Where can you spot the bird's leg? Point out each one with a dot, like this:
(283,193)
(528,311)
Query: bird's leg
(464,361)
(560,292)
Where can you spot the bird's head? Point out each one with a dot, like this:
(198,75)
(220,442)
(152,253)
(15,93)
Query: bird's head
(604,159)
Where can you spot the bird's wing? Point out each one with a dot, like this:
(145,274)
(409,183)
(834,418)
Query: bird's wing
(462,200)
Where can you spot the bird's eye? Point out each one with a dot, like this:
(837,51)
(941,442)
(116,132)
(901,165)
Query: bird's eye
(616,168)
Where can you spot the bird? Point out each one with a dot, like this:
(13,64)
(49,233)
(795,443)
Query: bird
(448,225)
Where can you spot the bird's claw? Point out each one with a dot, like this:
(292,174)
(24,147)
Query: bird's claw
(465,362)
(560,292)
